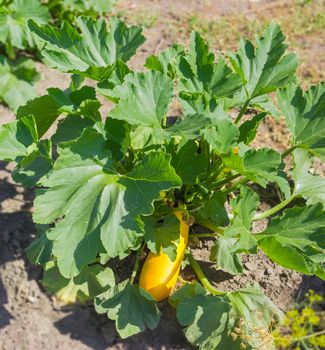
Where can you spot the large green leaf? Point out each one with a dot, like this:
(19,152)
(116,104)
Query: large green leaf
(73,102)
(14,18)
(40,250)
(91,52)
(91,281)
(190,126)
(264,69)
(188,163)
(34,165)
(311,187)
(70,128)
(304,113)
(225,259)
(214,209)
(17,81)
(187,290)
(44,109)
(296,240)
(118,137)
(234,322)
(130,306)
(111,202)
(261,166)
(222,134)
(244,207)
(166,61)
(184,129)
(19,142)
(16,137)
(162,236)
(257,315)
(144,99)
(205,318)
(202,78)
(248,129)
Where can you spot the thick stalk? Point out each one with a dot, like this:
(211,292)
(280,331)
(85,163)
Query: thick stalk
(288,151)
(136,266)
(242,111)
(208,224)
(273,210)
(223,181)
(201,276)
(235,185)
(164,121)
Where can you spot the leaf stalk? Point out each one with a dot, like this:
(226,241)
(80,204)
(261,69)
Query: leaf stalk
(136,266)
(288,151)
(273,210)
(242,111)
(201,276)
(208,224)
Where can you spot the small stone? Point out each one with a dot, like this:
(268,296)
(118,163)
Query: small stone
(31,299)
(250,266)
(268,271)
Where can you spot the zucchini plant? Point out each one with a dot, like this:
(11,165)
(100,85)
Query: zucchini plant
(132,182)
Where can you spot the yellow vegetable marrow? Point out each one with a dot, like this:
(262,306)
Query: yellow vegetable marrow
(159,274)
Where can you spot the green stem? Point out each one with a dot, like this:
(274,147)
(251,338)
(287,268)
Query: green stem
(235,185)
(164,121)
(224,181)
(242,111)
(203,279)
(273,210)
(288,151)
(136,266)
(202,235)
(208,224)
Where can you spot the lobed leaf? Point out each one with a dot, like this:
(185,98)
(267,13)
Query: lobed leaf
(205,318)
(265,68)
(162,236)
(144,99)
(188,163)
(311,187)
(296,240)
(92,281)
(201,79)
(304,113)
(225,259)
(244,207)
(130,306)
(93,51)
(16,137)
(112,202)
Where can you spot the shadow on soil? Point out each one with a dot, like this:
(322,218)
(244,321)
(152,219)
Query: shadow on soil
(5,316)
(82,323)
(15,230)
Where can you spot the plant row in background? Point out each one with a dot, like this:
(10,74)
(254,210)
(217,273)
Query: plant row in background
(18,43)
(113,187)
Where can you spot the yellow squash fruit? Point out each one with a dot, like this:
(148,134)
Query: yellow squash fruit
(159,274)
